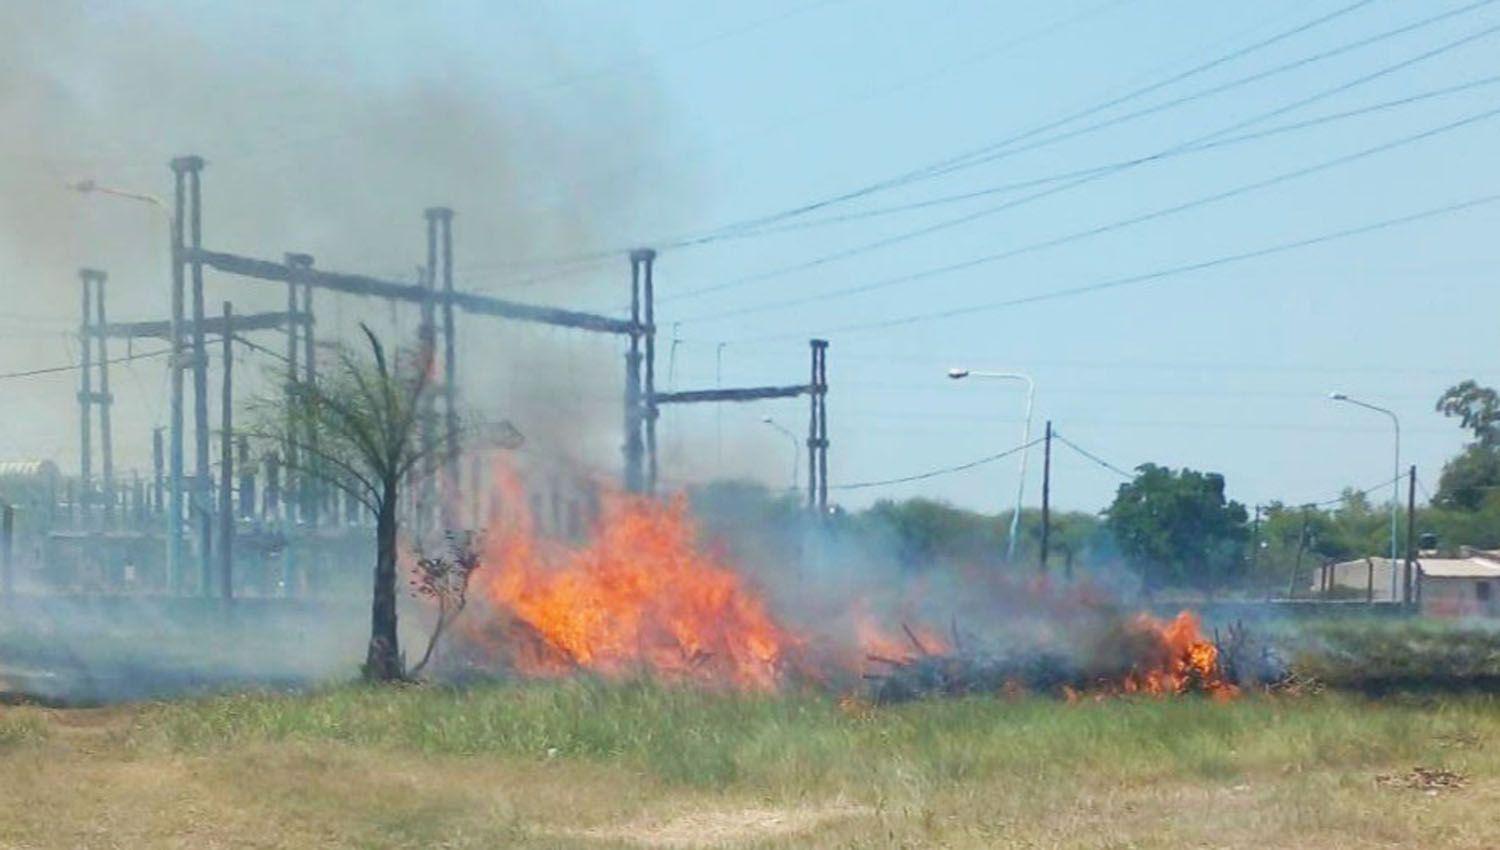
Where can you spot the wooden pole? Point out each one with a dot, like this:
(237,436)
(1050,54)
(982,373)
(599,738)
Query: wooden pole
(106,401)
(822,394)
(201,508)
(226,466)
(176,574)
(86,394)
(1411,537)
(273,487)
(247,480)
(1046,497)
(427,333)
(158,462)
(312,488)
(634,482)
(450,372)
(647,259)
(812,429)
(1291,586)
(296,266)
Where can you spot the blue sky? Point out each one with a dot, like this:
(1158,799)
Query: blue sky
(632,124)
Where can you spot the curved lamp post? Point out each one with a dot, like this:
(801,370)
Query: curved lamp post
(796,447)
(175,506)
(1395,475)
(1015,518)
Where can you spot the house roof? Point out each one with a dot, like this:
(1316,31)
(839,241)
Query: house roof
(1460,568)
(1475,566)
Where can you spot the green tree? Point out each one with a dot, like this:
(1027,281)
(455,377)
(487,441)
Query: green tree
(1470,477)
(924,533)
(1477,409)
(356,427)
(1177,528)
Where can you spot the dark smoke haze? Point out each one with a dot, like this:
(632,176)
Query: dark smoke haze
(325,132)
(328,133)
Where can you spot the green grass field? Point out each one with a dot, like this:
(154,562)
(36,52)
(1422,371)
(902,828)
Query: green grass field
(585,764)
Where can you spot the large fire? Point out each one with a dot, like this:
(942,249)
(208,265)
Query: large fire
(642,595)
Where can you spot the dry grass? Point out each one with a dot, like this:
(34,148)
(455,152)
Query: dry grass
(588,767)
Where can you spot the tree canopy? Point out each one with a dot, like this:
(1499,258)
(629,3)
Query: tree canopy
(1175,527)
(1469,478)
(1477,409)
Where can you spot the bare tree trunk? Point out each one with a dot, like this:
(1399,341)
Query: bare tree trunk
(383,661)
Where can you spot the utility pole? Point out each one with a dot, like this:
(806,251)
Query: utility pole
(1411,537)
(226,463)
(312,487)
(1255,550)
(158,460)
(634,473)
(818,441)
(106,401)
(247,480)
(175,572)
(86,396)
(296,265)
(1046,497)
(1291,586)
(646,258)
(200,507)
(450,370)
(427,340)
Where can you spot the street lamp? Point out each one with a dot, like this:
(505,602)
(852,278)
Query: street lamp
(796,447)
(1395,475)
(174,506)
(1015,518)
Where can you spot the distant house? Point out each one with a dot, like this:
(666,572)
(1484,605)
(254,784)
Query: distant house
(1462,587)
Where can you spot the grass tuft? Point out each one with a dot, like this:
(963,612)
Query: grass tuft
(694,738)
(19,727)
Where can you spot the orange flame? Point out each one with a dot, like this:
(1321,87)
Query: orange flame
(1177,659)
(641,596)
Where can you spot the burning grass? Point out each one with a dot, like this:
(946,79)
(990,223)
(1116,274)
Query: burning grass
(644,595)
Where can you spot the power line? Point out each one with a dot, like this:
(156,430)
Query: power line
(696,238)
(1423,487)
(1339,499)
(1223,87)
(1147,277)
(255,346)
(1091,175)
(919,173)
(947,470)
(1115,225)
(1347,494)
(1119,164)
(49,370)
(1091,456)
